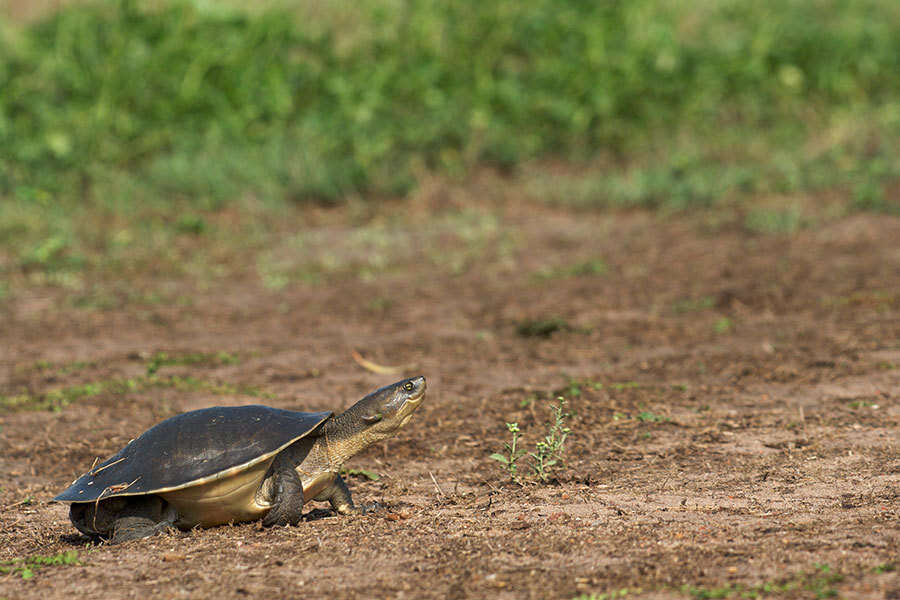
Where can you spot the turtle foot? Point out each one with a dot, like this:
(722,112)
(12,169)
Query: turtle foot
(363,509)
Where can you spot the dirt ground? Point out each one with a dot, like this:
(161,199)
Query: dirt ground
(735,425)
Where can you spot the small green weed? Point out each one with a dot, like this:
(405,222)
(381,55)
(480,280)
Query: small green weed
(589,268)
(547,454)
(862,404)
(26,567)
(887,567)
(649,417)
(191,224)
(513,453)
(625,385)
(51,254)
(575,387)
(723,325)
(543,328)
(772,221)
(687,305)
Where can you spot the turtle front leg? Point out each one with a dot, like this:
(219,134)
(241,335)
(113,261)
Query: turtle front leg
(287,502)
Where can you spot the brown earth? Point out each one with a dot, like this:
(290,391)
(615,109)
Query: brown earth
(735,419)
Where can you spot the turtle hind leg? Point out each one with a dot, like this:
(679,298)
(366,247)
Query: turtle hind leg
(144,516)
(338,495)
(287,504)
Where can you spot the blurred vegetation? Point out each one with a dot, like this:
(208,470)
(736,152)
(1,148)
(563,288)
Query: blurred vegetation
(181,101)
(177,109)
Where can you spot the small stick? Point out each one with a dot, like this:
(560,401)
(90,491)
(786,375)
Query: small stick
(436,486)
(15,504)
(115,462)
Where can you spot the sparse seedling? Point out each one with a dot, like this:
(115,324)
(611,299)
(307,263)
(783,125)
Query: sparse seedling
(649,417)
(887,567)
(548,452)
(513,454)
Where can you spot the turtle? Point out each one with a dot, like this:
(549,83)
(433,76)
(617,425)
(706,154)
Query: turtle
(231,464)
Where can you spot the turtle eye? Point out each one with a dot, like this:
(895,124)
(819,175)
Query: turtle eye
(408,386)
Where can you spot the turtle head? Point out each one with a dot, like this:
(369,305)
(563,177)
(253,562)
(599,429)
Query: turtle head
(384,411)
(376,417)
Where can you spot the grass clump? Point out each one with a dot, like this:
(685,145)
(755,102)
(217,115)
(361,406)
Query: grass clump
(820,583)
(58,399)
(161,359)
(26,567)
(542,328)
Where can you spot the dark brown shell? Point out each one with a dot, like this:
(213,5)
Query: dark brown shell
(193,447)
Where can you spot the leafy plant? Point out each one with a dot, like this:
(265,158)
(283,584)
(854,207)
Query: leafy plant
(513,454)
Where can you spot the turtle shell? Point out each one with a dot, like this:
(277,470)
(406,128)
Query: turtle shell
(194,448)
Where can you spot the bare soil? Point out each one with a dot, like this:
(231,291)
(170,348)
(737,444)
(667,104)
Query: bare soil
(735,425)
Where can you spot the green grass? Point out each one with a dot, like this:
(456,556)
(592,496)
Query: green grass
(58,399)
(26,567)
(186,103)
(818,584)
(162,359)
(592,267)
(128,128)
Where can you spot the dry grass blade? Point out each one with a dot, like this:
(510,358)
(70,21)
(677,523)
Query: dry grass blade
(380,369)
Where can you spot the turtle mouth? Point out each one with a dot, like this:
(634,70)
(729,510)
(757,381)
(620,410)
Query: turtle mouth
(419,394)
(415,398)
(413,402)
